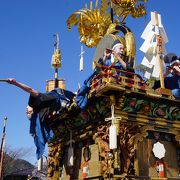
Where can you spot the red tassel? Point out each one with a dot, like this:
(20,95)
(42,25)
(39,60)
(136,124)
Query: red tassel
(85,169)
(161,169)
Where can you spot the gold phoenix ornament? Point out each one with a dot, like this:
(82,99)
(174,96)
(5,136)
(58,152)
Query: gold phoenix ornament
(94,24)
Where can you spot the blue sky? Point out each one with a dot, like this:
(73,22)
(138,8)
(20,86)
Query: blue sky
(26,47)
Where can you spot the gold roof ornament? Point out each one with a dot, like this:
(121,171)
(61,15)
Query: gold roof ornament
(56,57)
(124,8)
(92,23)
(96,24)
(56,64)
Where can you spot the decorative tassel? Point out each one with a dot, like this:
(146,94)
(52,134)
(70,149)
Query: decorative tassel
(112,58)
(161,170)
(112,129)
(85,169)
(79,87)
(70,156)
(40,164)
(70,152)
(112,137)
(81,67)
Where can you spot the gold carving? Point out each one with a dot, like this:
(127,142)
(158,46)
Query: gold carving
(101,138)
(56,57)
(176,133)
(130,45)
(124,8)
(143,133)
(92,24)
(127,135)
(54,158)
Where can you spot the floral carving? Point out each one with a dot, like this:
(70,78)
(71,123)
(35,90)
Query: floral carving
(151,108)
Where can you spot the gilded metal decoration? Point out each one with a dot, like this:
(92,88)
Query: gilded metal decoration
(124,8)
(93,24)
(56,57)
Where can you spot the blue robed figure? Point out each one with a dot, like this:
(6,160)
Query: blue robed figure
(41,107)
(171,75)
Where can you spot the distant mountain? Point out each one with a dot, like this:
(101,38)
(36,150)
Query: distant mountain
(16,166)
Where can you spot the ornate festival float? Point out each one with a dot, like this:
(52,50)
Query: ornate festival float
(118,126)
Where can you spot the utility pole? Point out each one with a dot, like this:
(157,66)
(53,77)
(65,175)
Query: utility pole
(2,148)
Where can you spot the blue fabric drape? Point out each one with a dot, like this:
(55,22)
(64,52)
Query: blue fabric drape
(82,96)
(43,106)
(41,132)
(173,83)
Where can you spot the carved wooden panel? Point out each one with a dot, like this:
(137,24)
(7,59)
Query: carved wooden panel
(147,161)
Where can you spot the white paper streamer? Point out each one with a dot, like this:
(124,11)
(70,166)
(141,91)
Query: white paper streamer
(112,137)
(149,46)
(40,164)
(70,159)
(70,156)
(81,64)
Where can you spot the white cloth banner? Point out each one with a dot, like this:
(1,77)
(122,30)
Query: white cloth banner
(149,46)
